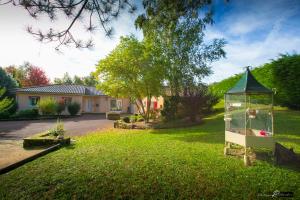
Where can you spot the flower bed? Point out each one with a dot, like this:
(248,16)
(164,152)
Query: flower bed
(44,139)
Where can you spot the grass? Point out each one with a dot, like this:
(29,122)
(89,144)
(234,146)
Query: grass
(155,164)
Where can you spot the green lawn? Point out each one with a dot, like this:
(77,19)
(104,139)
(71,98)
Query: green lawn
(161,164)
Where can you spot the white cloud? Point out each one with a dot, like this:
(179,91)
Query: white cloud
(17,46)
(249,49)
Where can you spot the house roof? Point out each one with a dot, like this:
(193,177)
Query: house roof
(248,84)
(63,89)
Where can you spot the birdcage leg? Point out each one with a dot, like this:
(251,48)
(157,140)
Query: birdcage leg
(246,158)
(226,148)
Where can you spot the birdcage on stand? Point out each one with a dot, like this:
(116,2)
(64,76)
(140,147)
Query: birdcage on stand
(249,115)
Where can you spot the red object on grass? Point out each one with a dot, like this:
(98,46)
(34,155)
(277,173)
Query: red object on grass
(262,132)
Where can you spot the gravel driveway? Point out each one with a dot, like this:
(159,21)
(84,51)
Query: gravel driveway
(17,130)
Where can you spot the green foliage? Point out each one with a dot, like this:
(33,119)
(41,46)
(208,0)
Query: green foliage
(156,164)
(126,119)
(286,74)
(263,74)
(7,105)
(28,75)
(129,71)
(281,74)
(90,80)
(47,106)
(197,101)
(87,80)
(170,108)
(61,106)
(136,118)
(73,108)
(28,113)
(122,124)
(6,81)
(58,130)
(175,32)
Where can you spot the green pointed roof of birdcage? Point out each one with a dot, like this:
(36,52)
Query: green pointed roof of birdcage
(248,84)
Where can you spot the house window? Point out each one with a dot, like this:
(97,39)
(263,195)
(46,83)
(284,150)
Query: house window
(115,105)
(67,100)
(33,100)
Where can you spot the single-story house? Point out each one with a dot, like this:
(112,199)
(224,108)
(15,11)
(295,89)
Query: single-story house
(90,99)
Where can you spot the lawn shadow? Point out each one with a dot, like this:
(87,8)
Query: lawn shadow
(70,146)
(269,158)
(210,131)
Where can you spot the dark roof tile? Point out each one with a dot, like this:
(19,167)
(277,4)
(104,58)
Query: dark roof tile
(63,89)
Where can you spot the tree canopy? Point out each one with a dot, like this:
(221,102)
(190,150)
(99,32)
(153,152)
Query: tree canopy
(76,80)
(281,75)
(129,71)
(176,28)
(28,75)
(6,80)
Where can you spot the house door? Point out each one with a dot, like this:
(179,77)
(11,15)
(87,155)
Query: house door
(89,105)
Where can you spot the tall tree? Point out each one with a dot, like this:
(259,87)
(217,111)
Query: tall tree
(35,76)
(67,79)
(98,13)
(128,71)
(28,75)
(7,81)
(90,80)
(177,29)
(77,80)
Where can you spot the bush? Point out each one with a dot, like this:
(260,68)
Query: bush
(170,108)
(198,101)
(8,105)
(126,119)
(29,113)
(61,106)
(58,130)
(4,114)
(113,116)
(137,118)
(47,106)
(122,124)
(73,108)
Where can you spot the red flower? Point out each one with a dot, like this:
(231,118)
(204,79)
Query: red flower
(262,132)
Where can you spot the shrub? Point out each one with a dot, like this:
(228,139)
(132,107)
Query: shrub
(197,101)
(47,106)
(58,130)
(126,119)
(29,113)
(113,116)
(73,108)
(137,118)
(8,105)
(122,124)
(170,108)
(61,106)
(4,114)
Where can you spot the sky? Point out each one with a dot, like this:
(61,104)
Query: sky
(255,32)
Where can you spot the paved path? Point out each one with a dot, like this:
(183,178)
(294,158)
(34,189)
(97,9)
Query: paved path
(12,133)
(17,130)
